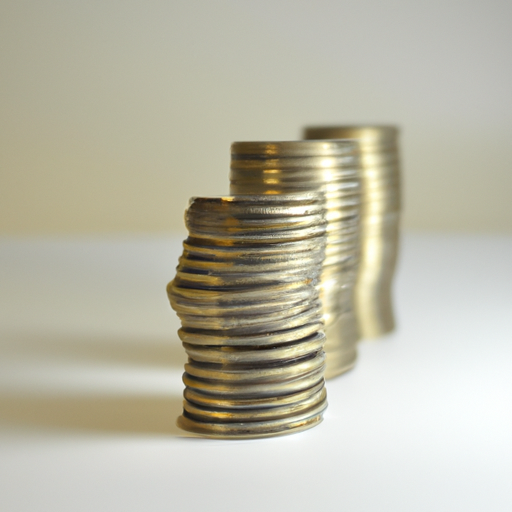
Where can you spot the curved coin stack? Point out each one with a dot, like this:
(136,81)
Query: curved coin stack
(246,293)
(329,167)
(380,174)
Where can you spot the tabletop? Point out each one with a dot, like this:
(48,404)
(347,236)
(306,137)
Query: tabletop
(90,388)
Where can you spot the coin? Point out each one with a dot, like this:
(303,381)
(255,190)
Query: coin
(258,390)
(247,355)
(199,397)
(253,372)
(231,415)
(214,339)
(245,429)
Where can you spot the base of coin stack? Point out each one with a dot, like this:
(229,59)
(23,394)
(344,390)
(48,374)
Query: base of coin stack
(246,292)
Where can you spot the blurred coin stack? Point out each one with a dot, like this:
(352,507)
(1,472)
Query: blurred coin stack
(332,168)
(380,175)
(246,293)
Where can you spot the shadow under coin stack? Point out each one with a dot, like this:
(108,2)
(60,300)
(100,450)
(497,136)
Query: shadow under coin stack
(380,175)
(332,168)
(246,293)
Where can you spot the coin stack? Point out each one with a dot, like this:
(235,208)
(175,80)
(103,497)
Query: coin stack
(331,168)
(380,176)
(246,293)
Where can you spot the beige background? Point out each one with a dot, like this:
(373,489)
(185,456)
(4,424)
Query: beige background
(114,113)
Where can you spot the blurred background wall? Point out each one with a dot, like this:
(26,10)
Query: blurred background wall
(114,113)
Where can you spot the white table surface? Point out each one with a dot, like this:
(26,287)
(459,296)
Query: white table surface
(90,387)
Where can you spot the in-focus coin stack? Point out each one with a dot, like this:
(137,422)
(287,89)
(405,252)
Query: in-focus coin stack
(246,294)
(332,168)
(380,174)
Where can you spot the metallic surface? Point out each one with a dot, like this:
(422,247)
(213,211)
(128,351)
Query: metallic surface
(332,168)
(381,203)
(296,422)
(246,292)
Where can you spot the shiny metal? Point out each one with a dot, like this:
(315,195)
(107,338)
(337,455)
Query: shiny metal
(246,292)
(255,391)
(381,204)
(259,371)
(257,340)
(252,403)
(332,168)
(247,355)
(296,422)
(265,413)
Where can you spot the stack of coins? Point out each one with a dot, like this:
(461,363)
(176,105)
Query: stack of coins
(380,176)
(332,168)
(246,293)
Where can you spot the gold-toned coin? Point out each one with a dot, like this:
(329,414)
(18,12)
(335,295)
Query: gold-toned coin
(253,373)
(299,263)
(251,430)
(254,324)
(291,292)
(227,252)
(287,305)
(266,150)
(260,389)
(300,175)
(251,206)
(226,222)
(230,415)
(201,398)
(216,339)
(243,279)
(369,134)
(247,355)
(262,236)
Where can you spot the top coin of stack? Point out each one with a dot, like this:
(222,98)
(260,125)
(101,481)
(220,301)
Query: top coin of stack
(332,168)
(246,293)
(380,174)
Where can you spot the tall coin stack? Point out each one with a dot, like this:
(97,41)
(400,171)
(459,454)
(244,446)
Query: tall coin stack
(246,293)
(380,175)
(332,168)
